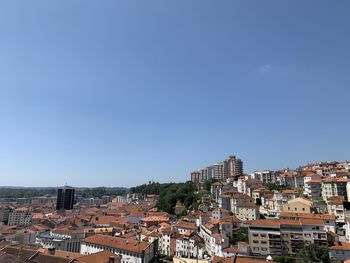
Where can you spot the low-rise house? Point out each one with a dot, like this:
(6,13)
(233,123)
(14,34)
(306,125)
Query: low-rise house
(313,189)
(249,185)
(247,211)
(131,250)
(339,251)
(347,229)
(183,226)
(219,213)
(288,195)
(335,206)
(292,179)
(179,208)
(218,242)
(154,220)
(299,205)
(238,200)
(164,244)
(224,201)
(266,176)
(190,246)
(227,224)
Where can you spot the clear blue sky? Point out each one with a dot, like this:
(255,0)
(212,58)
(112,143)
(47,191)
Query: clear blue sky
(118,93)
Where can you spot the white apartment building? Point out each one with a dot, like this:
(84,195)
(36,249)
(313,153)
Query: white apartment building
(334,187)
(266,176)
(190,246)
(20,217)
(131,250)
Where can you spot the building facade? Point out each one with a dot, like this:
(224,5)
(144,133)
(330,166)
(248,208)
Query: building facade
(65,198)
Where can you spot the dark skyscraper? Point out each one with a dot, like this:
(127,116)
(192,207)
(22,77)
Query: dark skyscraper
(65,198)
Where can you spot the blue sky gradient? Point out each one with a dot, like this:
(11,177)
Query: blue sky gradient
(118,93)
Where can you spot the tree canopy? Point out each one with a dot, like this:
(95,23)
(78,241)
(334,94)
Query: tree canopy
(313,253)
(170,194)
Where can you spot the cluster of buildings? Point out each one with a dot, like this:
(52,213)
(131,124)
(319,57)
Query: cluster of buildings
(284,211)
(231,169)
(244,217)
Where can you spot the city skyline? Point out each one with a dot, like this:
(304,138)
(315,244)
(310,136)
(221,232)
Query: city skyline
(121,93)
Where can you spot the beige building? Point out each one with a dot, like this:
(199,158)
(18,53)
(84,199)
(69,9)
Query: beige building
(298,205)
(247,211)
(285,237)
(328,220)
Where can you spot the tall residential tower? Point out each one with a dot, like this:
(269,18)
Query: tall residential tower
(65,198)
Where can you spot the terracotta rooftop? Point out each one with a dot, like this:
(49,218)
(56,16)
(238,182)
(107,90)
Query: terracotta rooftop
(186,225)
(278,222)
(126,244)
(99,257)
(335,180)
(340,246)
(306,216)
(335,200)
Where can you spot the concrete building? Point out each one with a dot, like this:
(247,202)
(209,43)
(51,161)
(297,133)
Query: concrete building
(195,177)
(313,188)
(230,168)
(165,241)
(335,206)
(219,213)
(131,250)
(266,176)
(334,187)
(233,167)
(204,175)
(61,239)
(65,198)
(328,220)
(298,205)
(285,237)
(4,213)
(247,211)
(339,251)
(190,246)
(216,171)
(20,217)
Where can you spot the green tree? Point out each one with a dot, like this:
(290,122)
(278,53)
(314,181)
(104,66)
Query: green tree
(241,235)
(207,184)
(277,187)
(170,194)
(283,259)
(258,201)
(313,253)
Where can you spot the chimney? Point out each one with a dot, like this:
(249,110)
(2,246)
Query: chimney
(51,250)
(111,259)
